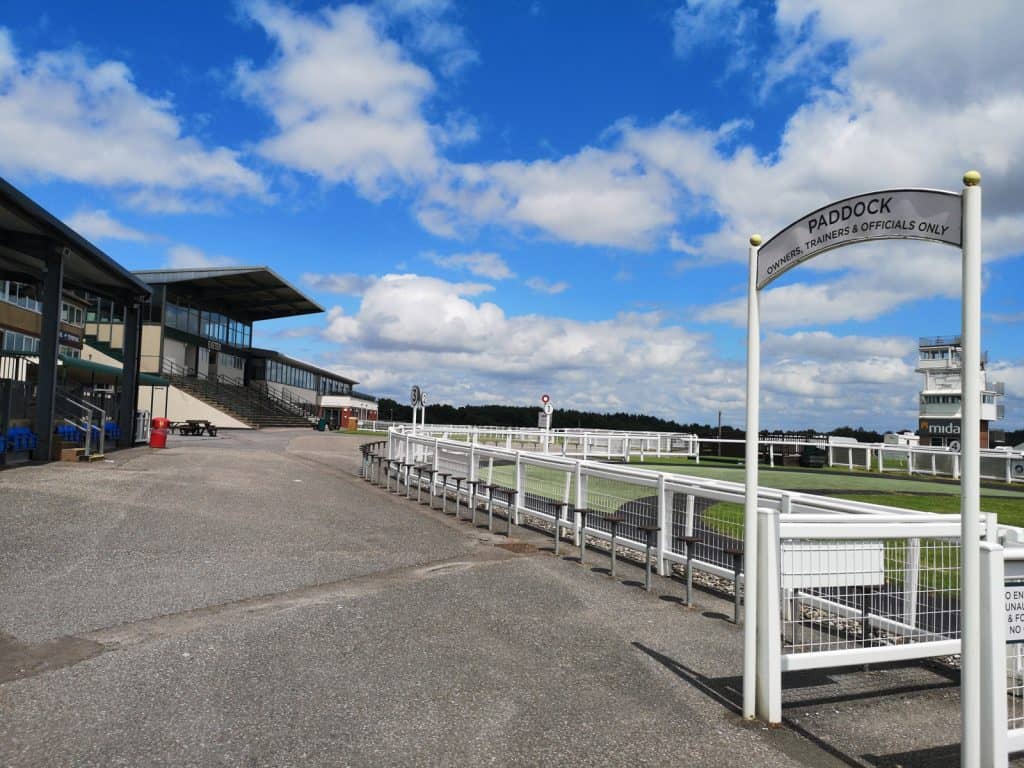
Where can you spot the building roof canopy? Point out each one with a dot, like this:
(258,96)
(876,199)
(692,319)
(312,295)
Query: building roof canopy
(28,233)
(270,354)
(243,293)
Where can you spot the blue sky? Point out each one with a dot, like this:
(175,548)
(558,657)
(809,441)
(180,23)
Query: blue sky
(496,200)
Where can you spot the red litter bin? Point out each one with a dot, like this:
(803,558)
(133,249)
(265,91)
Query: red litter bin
(159,428)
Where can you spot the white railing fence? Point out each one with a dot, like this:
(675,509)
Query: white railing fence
(840,582)
(1002,657)
(996,465)
(678,504)
(710,509)
(847,590)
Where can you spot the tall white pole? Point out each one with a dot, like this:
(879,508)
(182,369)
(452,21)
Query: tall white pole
(970,472)
(750,501)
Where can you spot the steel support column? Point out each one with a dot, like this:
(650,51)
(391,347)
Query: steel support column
(128,403)
(49,345)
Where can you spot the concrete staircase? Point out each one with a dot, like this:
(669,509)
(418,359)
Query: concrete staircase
(248,405)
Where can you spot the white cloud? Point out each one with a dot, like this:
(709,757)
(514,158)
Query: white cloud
(411,325)
(481,264)
(430,33)
(346,100)
(540,285)
(100,225)
(461,349)
(63,116)
(699,24)
(349,284)
(595,197)
(187,256)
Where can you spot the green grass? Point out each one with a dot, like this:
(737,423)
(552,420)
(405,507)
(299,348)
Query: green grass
(939,571)
(812,480)
(724,516)
(1010,510)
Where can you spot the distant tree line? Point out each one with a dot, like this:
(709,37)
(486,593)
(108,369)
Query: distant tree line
(526,416)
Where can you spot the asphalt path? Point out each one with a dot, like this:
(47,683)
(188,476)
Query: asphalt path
(247,600)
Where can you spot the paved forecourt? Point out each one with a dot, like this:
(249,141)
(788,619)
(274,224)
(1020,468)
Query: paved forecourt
(249,600)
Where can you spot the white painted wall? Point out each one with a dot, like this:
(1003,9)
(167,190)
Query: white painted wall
(181,406)
(94,355)
(346,401)
(300,392)
(175,350)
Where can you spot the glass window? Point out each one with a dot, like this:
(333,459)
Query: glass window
(21,295)
(71,314)
(19,342)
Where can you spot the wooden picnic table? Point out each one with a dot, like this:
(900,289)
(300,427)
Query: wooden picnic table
(195,427)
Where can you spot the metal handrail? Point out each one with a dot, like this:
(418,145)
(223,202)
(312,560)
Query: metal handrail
(87,409)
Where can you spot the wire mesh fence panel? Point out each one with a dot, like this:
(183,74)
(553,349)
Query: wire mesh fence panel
(1015,686)
(636,502)
(453,461)
(893,460)
(718,526)
(498,470)
(421,452)
(545,489)
(852,593)
(994,467)
(842,456)
(922,462)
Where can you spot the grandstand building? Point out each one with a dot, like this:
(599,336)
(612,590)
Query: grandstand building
(197,333)
(940,414)
(87,346)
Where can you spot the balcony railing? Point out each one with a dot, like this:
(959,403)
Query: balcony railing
(940,341)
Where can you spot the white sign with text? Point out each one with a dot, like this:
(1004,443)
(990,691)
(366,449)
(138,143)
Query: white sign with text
(913,214)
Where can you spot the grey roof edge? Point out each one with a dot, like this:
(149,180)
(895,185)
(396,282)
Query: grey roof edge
(39,215)
(258,351)
(154,275)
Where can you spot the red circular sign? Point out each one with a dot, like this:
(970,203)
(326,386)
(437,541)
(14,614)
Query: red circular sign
(544,398)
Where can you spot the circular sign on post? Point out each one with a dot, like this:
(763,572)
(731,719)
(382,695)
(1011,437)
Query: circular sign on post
(1018,469)
(548,408)
(415,396)
(954,446)
(545,399)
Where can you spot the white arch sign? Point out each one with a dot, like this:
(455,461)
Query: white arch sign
(919,214)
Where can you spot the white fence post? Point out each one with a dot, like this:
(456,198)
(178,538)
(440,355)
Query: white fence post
(665,524)
(993,658)
(690,502)
(769,641)
(912,568)
(581,500)
(520,487)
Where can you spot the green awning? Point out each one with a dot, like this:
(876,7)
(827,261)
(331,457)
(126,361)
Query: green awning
(108,372)
(152,380)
